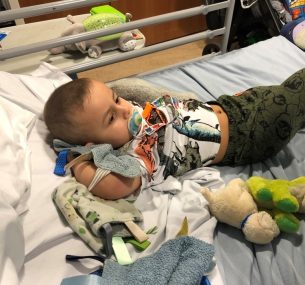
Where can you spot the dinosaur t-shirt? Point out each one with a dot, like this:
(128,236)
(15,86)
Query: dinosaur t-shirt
(174,137)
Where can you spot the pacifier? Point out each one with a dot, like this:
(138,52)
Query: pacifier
(135,122)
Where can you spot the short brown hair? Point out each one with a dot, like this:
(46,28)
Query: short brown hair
(62,105)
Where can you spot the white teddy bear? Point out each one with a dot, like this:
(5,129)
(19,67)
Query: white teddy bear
(235,206)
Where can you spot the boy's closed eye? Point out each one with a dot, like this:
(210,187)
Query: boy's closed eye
(111,119)
(116,99)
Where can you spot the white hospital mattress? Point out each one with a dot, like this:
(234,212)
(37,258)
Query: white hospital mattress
(47,238)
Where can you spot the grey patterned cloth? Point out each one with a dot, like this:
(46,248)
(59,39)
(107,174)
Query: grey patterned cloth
(105,157)
(142,91)
(86,214)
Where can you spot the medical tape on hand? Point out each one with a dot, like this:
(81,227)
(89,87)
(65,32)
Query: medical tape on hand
(100,173)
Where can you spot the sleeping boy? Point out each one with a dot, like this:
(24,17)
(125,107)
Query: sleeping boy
(169,137)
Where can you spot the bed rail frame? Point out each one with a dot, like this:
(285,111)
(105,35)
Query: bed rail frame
(68,4)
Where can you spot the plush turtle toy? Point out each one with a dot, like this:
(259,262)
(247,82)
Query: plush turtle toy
(125,41)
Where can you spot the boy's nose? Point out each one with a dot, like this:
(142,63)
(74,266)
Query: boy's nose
(125,111)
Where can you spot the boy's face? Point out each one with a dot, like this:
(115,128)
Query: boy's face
(105,116)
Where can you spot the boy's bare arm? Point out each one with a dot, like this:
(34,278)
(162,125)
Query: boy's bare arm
(111,187)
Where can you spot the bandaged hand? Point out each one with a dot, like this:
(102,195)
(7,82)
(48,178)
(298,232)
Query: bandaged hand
(103,156)
(107,173)
(111,186)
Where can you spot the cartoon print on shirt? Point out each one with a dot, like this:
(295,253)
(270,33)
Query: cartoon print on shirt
(160,144)
(193,105)
(170,103)
(180,163)
(144,151)
(175,136)
(190,160)
(152,115)
(170,167)
(197,130)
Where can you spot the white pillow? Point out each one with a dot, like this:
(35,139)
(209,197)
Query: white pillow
(22,98)
(15,123)
(31,91)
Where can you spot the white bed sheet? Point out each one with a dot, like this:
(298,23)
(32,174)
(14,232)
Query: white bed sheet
(48,238)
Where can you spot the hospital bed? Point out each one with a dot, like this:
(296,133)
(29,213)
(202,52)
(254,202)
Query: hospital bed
(34,237)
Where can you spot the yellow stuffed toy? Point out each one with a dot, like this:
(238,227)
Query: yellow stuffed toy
(260,207)
(283,197)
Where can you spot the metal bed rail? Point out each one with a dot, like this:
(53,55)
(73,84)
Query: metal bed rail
(202,9)
(143,51)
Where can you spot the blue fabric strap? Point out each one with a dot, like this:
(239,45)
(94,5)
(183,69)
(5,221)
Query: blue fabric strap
(61,161)
(205,281)
(243,222)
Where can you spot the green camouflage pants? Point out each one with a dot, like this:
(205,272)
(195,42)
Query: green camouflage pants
(262,120)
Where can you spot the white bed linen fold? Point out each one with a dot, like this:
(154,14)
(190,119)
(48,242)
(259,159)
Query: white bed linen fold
(16,124)
(167,211)
(11,245)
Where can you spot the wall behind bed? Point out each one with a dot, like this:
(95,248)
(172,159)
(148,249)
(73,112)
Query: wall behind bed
(142,9)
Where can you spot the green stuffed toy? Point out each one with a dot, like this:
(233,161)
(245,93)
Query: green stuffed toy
(283,197)
(102,17)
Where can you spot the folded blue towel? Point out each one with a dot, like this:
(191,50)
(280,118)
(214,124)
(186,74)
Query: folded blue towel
(182,261)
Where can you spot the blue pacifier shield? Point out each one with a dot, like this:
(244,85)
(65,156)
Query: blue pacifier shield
(135,122)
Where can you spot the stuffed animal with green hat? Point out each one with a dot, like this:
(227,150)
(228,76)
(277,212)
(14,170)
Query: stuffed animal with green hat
(281,197)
